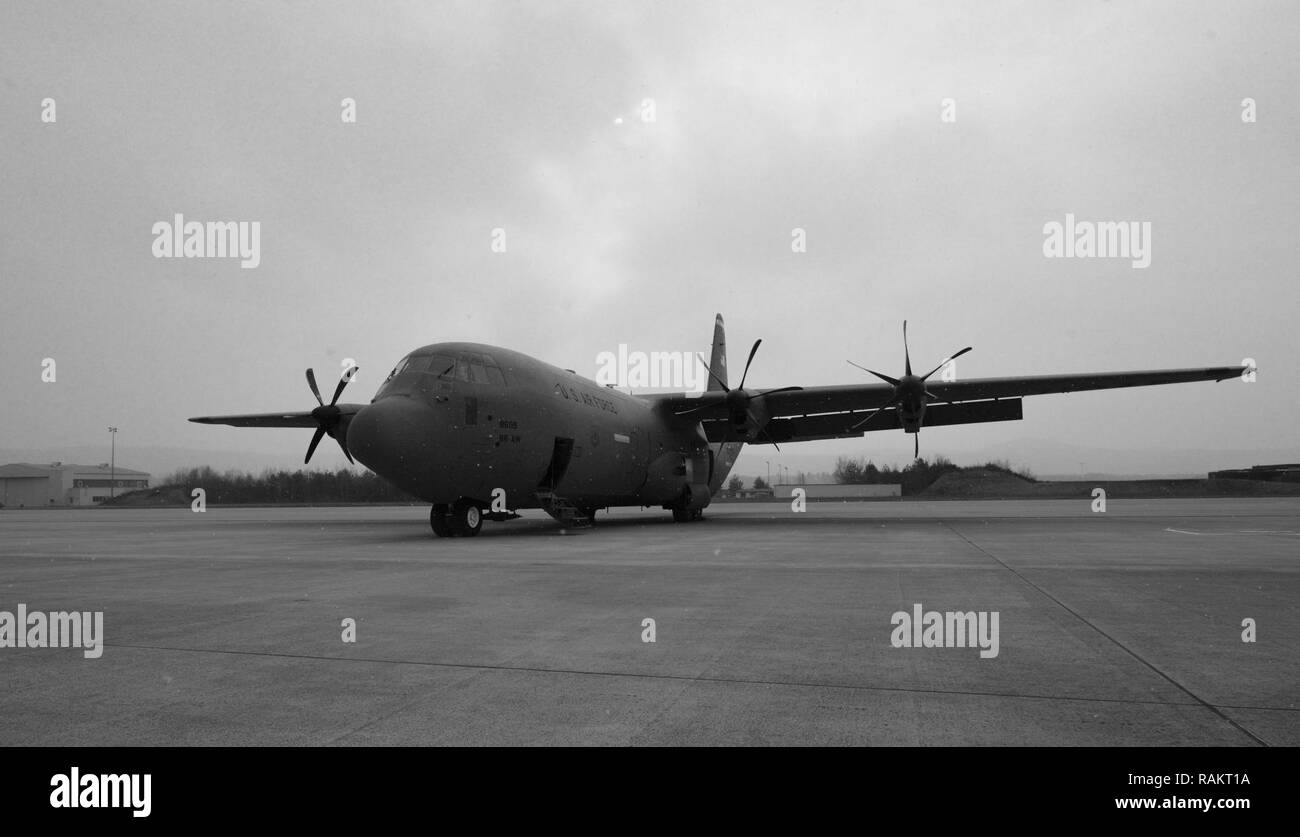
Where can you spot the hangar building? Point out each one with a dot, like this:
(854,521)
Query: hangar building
(56,484)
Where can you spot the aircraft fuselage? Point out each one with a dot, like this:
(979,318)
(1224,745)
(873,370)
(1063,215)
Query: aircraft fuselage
(467,421)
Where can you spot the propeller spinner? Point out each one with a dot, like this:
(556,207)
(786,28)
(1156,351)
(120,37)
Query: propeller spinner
(910,394)
(328,415)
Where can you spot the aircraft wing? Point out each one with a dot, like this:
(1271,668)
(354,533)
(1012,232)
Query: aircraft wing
(273,419)
(830,412)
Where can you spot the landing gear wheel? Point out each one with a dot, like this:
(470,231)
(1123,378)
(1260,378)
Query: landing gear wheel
(466,519)
(439,521)
(687,515)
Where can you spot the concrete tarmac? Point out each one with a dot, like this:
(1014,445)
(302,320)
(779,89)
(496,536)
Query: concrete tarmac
(771,626)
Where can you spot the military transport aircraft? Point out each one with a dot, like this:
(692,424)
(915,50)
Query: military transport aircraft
(480,431)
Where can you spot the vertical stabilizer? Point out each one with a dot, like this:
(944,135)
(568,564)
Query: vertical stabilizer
(724,453)
(718,359)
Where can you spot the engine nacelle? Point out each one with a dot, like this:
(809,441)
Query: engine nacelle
(911,419)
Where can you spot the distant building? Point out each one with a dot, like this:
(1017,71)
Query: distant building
(56,484)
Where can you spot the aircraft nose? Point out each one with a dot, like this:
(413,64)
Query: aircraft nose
(392,437)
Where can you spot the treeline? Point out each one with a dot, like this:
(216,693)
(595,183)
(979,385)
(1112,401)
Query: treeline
(914,477)
(341,486)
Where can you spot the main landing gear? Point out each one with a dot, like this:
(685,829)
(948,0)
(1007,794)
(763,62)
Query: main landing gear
(462,520)
(687,515)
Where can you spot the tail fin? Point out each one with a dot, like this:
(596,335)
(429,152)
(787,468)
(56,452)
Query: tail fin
(723,454)
(718,360)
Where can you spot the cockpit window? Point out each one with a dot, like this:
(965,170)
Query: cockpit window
(493,371)
(404,375)
(477,371)
(398,369)
(462,368)
(467,367)
(444,366)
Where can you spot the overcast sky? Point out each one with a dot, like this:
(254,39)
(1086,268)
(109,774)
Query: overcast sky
(376,236)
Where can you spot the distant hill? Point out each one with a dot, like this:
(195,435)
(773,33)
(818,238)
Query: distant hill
(981,482)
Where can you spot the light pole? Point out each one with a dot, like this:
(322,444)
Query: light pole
(112,463)
(769,472)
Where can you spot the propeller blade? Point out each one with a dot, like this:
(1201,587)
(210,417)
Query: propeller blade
(763,430)
(873,414)
(343,382)
(311,382)
(711,375)
(946,362)
(916,448)
(885,378)
(699,409)
(315,440)
(761,393)
(752,352)
(345,450)
(907,356)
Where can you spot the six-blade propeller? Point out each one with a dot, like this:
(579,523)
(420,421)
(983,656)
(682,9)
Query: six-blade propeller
(909,391)
(740,401)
